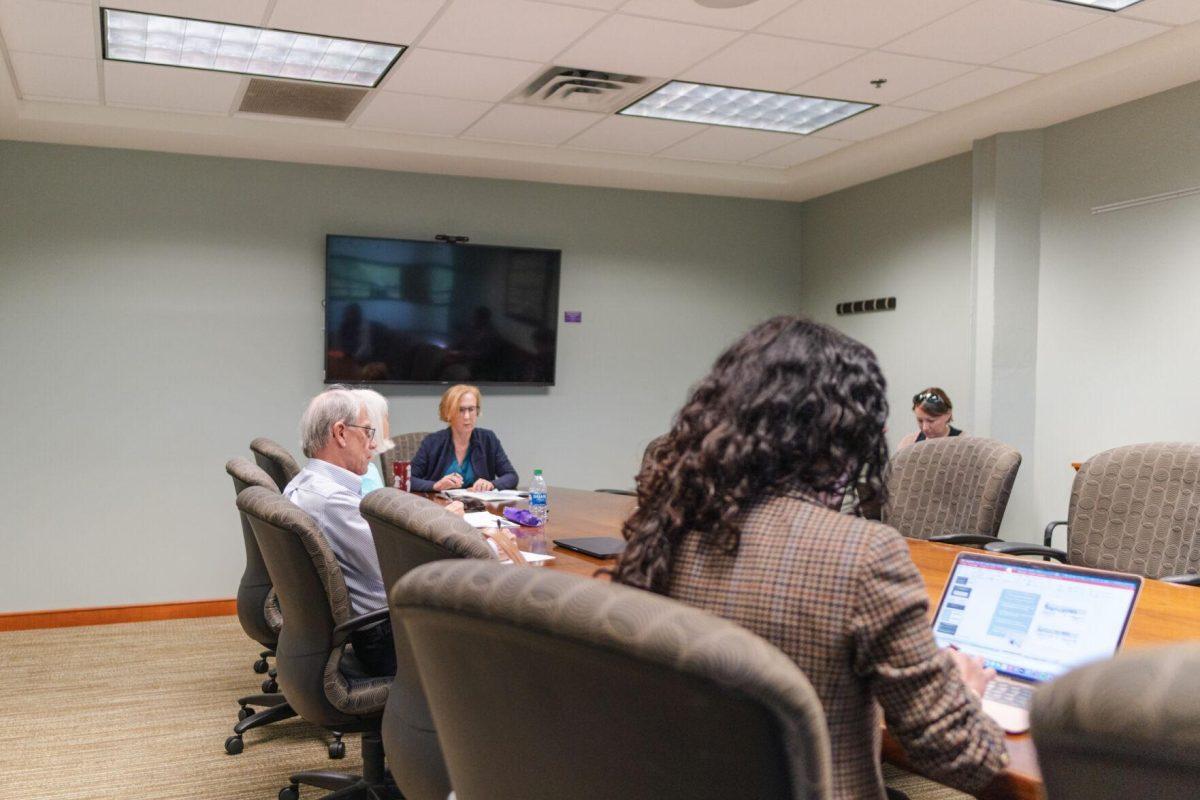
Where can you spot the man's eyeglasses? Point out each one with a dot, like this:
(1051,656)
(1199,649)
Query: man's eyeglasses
(932,400)
(370,431)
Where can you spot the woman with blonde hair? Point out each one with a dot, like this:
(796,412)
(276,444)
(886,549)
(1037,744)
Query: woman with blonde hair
(461,455)
(377,412)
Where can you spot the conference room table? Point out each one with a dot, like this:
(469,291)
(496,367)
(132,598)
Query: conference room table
(1164,613)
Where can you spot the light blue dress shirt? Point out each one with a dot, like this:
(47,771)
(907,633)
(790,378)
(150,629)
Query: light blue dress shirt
(330,495)
(372,480)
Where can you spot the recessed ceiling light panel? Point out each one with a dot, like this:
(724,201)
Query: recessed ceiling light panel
(1103,5)
(179,42)
(743,108)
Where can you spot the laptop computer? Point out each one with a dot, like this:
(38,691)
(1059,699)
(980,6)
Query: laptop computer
(1031,621)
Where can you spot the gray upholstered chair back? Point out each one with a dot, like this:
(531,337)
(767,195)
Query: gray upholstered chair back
(313,594)
(590,690)
(952,485)
(256,606)
(406,447)
(409,531)
(275,460)
(1137,509)
(1129,727)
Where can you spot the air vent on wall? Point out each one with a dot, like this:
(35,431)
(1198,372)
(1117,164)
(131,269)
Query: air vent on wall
(581,89)
(304,100)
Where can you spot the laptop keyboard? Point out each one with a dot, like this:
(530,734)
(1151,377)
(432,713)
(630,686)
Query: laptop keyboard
(1009,693)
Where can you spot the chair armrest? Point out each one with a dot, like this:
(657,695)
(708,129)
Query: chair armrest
(1023,549)
(627,492)
(1183,580)
(361,621)
(1050,531)
(975,539)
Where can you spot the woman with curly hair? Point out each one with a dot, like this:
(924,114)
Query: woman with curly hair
(736,515)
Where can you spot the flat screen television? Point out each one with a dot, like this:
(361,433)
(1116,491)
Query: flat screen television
(405,311)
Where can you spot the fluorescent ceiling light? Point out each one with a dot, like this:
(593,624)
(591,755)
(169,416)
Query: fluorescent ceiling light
(1103,5)
(179,42)
(743,108)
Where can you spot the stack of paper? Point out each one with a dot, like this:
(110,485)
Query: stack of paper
(486,519)
(494,496)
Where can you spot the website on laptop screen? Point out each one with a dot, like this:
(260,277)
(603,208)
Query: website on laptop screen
(1036,621)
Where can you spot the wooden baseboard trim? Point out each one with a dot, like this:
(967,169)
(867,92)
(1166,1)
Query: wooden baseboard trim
(109,615)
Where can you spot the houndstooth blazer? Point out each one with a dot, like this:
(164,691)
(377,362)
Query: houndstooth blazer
(842,597)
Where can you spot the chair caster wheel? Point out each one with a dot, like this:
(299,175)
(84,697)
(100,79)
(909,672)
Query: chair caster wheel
(234,745)
(337,749)
(261,666)
(245,711)
(270,686)
(289,793)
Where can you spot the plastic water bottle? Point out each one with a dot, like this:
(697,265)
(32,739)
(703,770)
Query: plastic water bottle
(538,504)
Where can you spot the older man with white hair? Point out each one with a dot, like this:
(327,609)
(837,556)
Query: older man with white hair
(337,438)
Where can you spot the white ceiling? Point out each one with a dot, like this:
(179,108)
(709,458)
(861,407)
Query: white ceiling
(956,70)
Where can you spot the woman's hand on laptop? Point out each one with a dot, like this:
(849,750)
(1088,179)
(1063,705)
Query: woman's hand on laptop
(971,670)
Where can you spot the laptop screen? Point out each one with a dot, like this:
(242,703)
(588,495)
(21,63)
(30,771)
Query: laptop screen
(1033,619)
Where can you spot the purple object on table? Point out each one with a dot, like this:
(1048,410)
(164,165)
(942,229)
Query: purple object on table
(522,517)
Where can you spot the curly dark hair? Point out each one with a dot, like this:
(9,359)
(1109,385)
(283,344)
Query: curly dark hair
(792,408)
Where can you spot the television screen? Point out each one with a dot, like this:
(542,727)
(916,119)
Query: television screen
(400,311)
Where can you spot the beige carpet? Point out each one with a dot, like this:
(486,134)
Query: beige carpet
(142,711)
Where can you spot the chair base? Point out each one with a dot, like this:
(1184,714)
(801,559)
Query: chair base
(373,784)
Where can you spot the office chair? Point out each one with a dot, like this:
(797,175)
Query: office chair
(322,679)
(952,490)
(275,460)
(591,690)
(1133,509)
(410,531)
(258,612)
(406,447)
(1129,727)
(654,444)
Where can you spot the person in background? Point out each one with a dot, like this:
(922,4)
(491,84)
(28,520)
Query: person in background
(337,437)
(461,455)
(737,515)
(934,413)
(377,413)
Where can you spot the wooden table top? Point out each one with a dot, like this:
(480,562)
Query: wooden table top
(1164,613)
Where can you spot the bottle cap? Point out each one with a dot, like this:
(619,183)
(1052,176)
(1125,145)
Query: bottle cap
(537,472)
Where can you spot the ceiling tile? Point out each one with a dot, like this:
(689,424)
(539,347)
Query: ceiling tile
(993,29)
(872,123)
(743,18)
(807,149)
(508,28)
(967,89)
(640,46)
(1086,43)
(42,77)
(727,144)
(1168,12)
(413,113)
(56,29)
(634,135)
(768,62)
(373,20)
(171,88)
(437,72)
(862,23)
(241,12)
(511,123)
(603,5)
(905,75)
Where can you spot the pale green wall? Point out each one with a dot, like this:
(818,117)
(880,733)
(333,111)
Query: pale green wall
(158,311)
(909,236)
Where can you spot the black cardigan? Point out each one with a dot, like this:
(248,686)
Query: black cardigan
(436,454)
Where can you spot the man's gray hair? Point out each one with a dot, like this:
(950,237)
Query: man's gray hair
(377,412)
(335,404)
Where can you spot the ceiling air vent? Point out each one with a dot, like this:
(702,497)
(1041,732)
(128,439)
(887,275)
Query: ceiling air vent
(303,100)
(582,90)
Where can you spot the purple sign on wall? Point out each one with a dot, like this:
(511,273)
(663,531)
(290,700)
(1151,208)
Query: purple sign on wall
(572,316)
